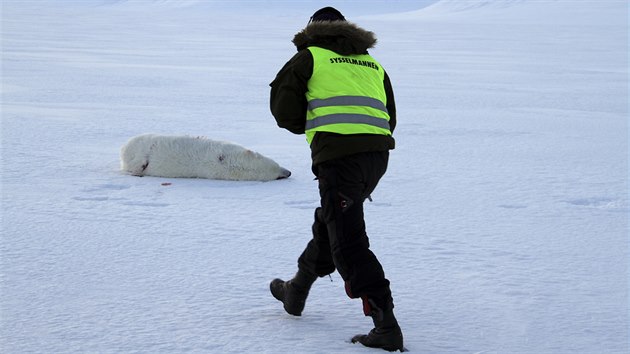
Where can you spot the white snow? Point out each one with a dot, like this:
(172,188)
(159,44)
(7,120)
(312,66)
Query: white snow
(502,221)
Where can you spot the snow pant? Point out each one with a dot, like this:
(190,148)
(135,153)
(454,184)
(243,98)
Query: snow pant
(339,237)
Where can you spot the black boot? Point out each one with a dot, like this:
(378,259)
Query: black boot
(386,333)
(293,293)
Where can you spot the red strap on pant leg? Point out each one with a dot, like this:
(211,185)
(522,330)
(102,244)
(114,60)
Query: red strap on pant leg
(367,308)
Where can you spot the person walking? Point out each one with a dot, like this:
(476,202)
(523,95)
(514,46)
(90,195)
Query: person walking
(340,97)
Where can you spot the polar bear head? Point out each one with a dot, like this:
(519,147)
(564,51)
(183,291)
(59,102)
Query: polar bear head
(250,165)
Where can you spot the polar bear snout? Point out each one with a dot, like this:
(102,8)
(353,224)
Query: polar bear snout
(284,173)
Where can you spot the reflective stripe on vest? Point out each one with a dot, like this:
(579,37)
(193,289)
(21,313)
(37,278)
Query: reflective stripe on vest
(340,118)
(347,101)
(346,95)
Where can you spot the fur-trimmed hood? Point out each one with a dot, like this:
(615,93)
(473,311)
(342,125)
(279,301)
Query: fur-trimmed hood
(343,37)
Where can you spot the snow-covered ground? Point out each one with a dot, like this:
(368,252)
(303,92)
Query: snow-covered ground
(502,221)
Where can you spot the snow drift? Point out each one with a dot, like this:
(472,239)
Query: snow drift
(519,12)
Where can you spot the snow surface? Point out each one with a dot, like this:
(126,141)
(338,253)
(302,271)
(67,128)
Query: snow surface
(502,221)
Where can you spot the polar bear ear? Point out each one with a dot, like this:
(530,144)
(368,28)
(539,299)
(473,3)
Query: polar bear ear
(249,154)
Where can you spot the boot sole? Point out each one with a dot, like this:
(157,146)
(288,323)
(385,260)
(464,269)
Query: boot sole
(357,339)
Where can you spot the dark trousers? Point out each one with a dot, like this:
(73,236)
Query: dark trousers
(339,237)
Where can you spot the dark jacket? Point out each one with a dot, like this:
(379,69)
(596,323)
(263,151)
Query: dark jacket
(288,90)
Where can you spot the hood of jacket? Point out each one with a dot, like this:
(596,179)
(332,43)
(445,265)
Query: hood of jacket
(342,37)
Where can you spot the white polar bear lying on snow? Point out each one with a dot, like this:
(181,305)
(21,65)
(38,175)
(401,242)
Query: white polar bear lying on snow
(196,157)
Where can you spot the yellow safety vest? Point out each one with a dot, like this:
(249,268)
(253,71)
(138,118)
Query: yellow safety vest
(346,95)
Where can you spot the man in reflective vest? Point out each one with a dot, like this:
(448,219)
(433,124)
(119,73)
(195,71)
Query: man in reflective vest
(333,91)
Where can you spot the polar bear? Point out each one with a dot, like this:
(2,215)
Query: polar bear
(196,157)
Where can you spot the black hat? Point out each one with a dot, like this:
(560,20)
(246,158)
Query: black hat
(327,14)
